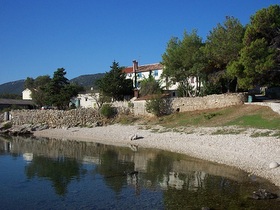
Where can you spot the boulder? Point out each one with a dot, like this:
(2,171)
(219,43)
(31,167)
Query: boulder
(273,165)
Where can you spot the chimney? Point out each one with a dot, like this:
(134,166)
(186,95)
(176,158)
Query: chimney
(135,65)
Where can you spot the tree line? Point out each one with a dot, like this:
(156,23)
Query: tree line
(56,91)
(234,57)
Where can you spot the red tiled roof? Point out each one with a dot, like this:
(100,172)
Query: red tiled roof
(128,70)
(143,68)
(150,67)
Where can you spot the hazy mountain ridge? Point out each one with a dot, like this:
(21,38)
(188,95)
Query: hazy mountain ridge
(16,87)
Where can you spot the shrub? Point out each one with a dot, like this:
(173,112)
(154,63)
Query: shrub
(158,106)
(107,111)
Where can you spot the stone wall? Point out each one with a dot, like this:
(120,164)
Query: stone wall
(57,118)
(207,102)
(196,103)
(91,117)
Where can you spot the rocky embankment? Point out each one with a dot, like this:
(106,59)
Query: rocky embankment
(20,130)
(25,122)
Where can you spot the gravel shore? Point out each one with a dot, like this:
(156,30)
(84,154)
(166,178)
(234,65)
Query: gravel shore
(240,150)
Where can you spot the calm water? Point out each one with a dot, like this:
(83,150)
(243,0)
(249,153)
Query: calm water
(53,174)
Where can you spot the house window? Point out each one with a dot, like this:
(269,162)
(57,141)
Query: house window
(139,74)
(129,75)
(155,73)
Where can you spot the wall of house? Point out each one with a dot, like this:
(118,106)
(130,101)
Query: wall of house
(87,100)
(26,94)
(144,75)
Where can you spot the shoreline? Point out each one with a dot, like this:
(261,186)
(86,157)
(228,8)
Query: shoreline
(249,154)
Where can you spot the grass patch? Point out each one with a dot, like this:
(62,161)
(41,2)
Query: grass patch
(241,116)
(244,116)
(256,121)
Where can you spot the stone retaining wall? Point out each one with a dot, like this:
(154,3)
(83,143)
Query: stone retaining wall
(56,118)
(207,102)
(91,117)
(196,103)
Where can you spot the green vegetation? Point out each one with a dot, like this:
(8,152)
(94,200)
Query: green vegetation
(257,121)
(107,111)
(56,91)
(10,96)
(233,57)
(149,86)
(157,106)
(240,117)
(114,83)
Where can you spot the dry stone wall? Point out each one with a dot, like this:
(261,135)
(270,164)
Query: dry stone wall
(91,117)
(196,103)
(56,118)
(207,102)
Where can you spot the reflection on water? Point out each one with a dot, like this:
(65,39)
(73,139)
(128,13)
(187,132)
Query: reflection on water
(53,174)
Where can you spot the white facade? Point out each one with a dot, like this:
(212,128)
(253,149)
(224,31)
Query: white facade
(139,73)
(87,100)
(26,94)
(155,70)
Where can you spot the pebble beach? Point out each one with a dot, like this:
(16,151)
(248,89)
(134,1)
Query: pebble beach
(255,155)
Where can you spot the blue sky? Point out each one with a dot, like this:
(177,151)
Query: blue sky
(86,36)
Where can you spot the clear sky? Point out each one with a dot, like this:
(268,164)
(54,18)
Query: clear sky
(86,36)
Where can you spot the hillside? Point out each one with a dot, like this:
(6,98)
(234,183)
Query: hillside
(88,80)
(16,87)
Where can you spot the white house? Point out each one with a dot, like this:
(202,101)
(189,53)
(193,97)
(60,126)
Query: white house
(138,73)
(87,100)
(26,94)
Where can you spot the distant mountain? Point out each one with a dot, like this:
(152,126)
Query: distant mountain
(88,80)
(16,87)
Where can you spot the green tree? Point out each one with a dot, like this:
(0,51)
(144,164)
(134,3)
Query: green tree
(114,83)
(149,86)
(10,96)
(260,57)
(158,105)
(38,89)
(222,48)
(60,91)
(181,59)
